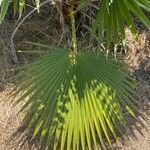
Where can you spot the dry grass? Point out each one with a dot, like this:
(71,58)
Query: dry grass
(138,60)
(139,49)
(9,120)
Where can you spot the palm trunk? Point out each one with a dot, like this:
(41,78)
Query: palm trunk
(74,38)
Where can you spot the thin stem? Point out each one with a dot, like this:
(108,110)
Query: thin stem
(13,52)
(74,38)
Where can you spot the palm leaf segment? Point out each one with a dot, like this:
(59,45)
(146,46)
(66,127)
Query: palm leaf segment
(75,99)
(114,10)
(18,5)
(114,15)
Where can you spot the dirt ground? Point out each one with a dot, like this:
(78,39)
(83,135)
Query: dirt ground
(13,135)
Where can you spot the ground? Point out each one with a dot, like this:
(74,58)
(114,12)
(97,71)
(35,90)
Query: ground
(14,136)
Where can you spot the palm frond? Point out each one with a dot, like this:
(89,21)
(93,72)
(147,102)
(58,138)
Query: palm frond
(113,16)
(75,99)
(3,9)
(18,6)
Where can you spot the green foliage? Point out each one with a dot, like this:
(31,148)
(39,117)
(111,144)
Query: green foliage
(112,17)
(18,5)
(75,99)
(3,9)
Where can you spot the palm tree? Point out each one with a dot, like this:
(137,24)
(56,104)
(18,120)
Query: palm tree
(76,99)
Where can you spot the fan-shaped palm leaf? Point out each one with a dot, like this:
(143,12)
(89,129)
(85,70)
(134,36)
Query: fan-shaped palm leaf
(75,99)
